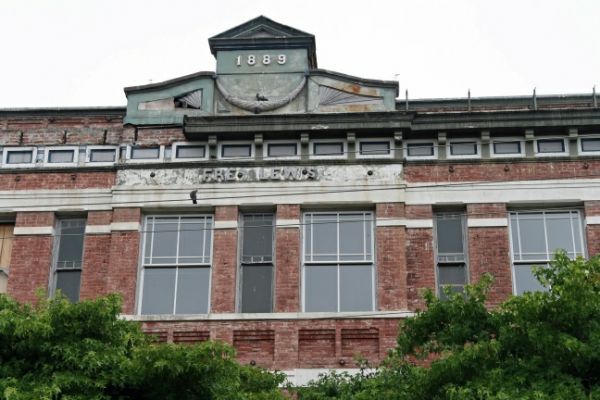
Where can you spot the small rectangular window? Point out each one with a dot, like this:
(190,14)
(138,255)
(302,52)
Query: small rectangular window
(328,149)
(103,155)
(63,156)
(19,156)
(192,151)
(463,149)
(374,148)
(236,150)
(282,149)
(451,252)
(551,146)
(420,149)
(507,147)
(68,258)
(589,145)
(145,153)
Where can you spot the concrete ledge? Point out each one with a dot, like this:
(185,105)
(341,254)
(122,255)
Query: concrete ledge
(419,223)
(592,220)
(226,224)
(487,222)
(125,226)
(33,230)
(97,229)
(288,223)
(390,222)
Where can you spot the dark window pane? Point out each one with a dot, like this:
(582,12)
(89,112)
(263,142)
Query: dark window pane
(236,150)
(159,290)
(452,274)
(558,227)
(525,281)
(190,152)
(145,153)
(352,237)
(374,148)
(320,288)
(60,156)
(164,243)
(328,149)
(463,149)
(324,240)
(257,288)
(449,235)
(192,290)
(356,288)
(70,244)
(424,149)
(68,283)
(19,157)
(191,242)
(590,144)
(282,150)
(551,146)
(257,238)
(103,155)
(532,237)
(507,148)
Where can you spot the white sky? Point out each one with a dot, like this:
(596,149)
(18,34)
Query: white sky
(82,53)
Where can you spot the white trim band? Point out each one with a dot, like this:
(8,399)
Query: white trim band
(487,222)
(125,226)
(419,223)
(226,224)
(97,229)
(288,223)
(33,230)
(592,220)
(390,222)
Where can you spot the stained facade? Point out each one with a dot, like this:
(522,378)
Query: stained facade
(294,212)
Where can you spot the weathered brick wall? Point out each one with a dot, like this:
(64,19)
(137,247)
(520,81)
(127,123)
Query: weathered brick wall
(287,260)
(391,259)
(224,267)
(28,180)
(96,257)
(420,266)
(592,209)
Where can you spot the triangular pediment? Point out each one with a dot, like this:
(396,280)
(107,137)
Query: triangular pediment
(261,24)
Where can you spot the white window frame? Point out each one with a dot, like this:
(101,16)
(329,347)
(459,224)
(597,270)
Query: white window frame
(548,258)
(342,156)
(368,215)
(266,150)
(48,149)
(236,142)
(521,153)
(161,155)
(580,145)
(177,145)
(176,265)
(434,145)
(58,237)
(375,140)
(7,150)
(90,149)
(450,142)
(553,154)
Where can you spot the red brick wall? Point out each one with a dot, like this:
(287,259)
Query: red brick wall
(56,180)
(391,287)
(592,208)
(287,261)
(96,261)
(224,267)
(420,265)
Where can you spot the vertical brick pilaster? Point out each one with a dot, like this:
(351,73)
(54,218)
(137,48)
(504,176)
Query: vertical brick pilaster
(96,253)
(391,257)
(287,259)
(224,267)
(31,256)
(592,230)
(420,266)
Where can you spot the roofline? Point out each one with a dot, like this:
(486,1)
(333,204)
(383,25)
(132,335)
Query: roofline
(256,18)
(45,111)
(359,80)
(499,98)
(168,83)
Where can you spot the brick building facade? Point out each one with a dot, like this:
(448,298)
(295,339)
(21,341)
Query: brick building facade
(294,212)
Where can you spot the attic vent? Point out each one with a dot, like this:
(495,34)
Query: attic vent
(192,100)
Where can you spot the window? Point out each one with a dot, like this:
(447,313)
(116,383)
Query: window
(61,155)
(463,149)
(189,151)
(154,153)
(551,147)
(507,148)
(176,265)
(281,150)
(589,145)
(19,156)
(257,263)
(6,240)
(68,257)
(242,151)
(374,148)
(101,154)
(535,237)
(420,150)
(328,149)
(451,252)
(338,272)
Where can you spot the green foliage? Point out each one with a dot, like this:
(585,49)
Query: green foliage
(543,345)
(59,350)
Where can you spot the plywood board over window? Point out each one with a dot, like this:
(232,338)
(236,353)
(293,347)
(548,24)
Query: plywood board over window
(6,240)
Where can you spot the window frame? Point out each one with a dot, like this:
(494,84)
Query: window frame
(375,140)
(520,154)
(266,155)
(434,146)
(236,143)
(313,156)
(564,153)
(58,238)
(177,145)
(450,142)
(6,150)
(368,216)
(465,252)
(542,261)
(49,149)
(90,149)
(580,150)
(142,264)
(161,154)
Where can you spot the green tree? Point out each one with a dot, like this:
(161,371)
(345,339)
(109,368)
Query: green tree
(59,350)
(542,345)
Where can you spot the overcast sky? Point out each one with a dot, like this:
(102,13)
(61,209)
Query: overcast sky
(82,53)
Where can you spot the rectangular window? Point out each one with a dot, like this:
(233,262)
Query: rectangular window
(536,236)
(550,147)
(507,148)
(420,150)
(242,151)
(463,149)
(328,149)
(6,241)
(60,156)
(451,252)
(590,145)
(19,156)
(257,263)
(338,271)
(282,149)
(176,264)
(189,151)
(374,148)
(68,257)
(144,153)
(102,155)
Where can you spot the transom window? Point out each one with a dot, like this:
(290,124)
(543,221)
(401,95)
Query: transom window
(536,236)
(451,252)
(176,264)
(338,272)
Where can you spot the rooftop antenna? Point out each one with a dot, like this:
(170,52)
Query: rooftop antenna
(534,99)
(406,101)
(469,99)
(594,97)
